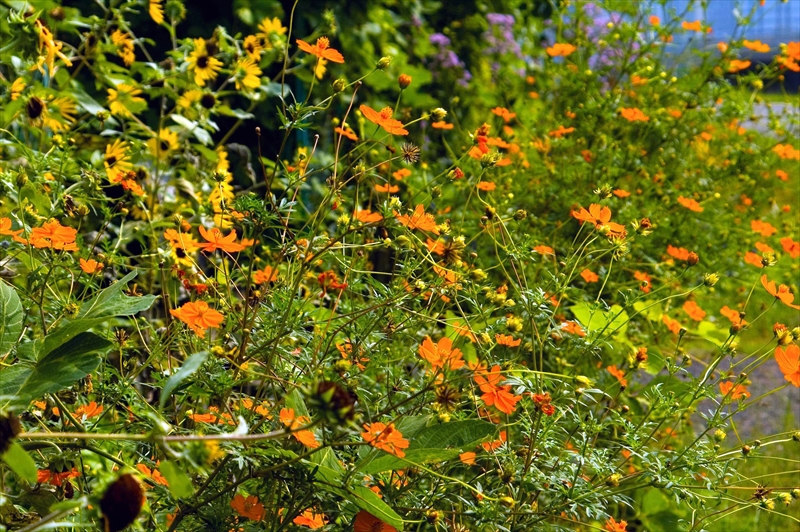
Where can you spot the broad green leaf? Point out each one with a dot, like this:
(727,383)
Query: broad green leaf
(60,369)
(89,104)
(648,309)
(112,302)
(712,333)
(595,319)
(20,462)
(368,500)
(10,318)
(388,462)
(192,364)
(180,485)
(35,195)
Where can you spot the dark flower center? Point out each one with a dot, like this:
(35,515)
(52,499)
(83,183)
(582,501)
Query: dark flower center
(202,61)
(110,160)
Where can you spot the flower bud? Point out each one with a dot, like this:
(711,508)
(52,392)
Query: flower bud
(338,85)
(384,62)
(520,215)
(710,279)
(614,479)
(693,259)
(438,114)
(404,81)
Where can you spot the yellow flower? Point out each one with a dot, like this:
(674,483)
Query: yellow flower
(51,48)
(223,165)
(253,45)
(269,28)
(16,88)
(156,11)
(124,44)
(60,113)
(247,75)
(204,66)
(166,142)
(124,100)
(189,98)
(116,161)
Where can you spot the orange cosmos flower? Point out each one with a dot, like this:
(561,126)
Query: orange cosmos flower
(154,474)
(600,216)
(694,311)
(589,276)
(673,325)
(504,113)
(441,354)
(560,49)
(632,114)
(384,119)
(561,131)
(786,151)
(402,173)
(495,395)
(53,235)
(321,50)
(56,479)
(91,266)
(216,240)
(367,216)
(762,228)
(267,275)
(419,219)
(486,186)
(763,248)
(788,360)
(756,46)
(613,526)
(791,247)
(692,26)
(310,519)
(507,340)
(645,280)
(198,316)
(621,193)
(733,315)
(306,437)
(467,458)
(734,391)
(572,327)
(248,507)
(182,241)
(347,132)
(678,253)
(88,411)
(654,20)
(754,259)
(690,204)
(782,292)
(366,522)
(441,125)
(619,375)
(544,250)
(5,228)
(387,188)
(737,65)
(385,438)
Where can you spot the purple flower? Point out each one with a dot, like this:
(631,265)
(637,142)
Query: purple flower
(439,40)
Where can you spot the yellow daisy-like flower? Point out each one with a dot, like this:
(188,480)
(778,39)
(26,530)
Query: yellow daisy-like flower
(16,88)
(116,161)
(223,165)
(156,11)
(124,100)
(204,66)
(246,75)
(189,98)
(60,113)
(164,145)
(269,28)
(125,46)
(253,45)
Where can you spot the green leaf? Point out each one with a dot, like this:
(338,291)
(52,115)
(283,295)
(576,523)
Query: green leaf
(180,485)
(10,318)
(368,500)
(594,319)
(192,364)
(60,369)
(35,194)
(415,457)
(20,462)
(89,104)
